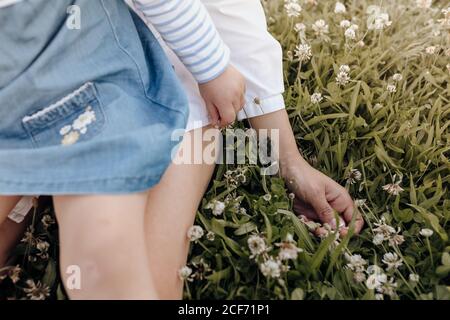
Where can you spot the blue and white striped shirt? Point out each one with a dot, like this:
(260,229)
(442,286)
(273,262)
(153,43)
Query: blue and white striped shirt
(188,30)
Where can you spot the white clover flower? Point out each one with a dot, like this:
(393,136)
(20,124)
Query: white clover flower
(396,240)
(414,277)
(293,8)
(378,239)
(288,249)
(271,268)
(257,245)
(289,252)
(445,22)
(392,260)
(353,176)
(374,269)
(291,196)
(425,232)
(342,78)
(42,246)
(299,27)
(267,197)
(375,280)
(216,206)
(344,68)
(47,221)
(360,202)
(430,50)
(359,277)
(195,233)
(211,236)
(184,273)
(320,28)
(391,88)
(316,97)
(350,34)
(388,288)
(384,232)
(397,77)
(303,52)
(355,262)
(377,20)
(339,8)
(360,43)
(393,188)
(36,291)
(423,4)
(345,24)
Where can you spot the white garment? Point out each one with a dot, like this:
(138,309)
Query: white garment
(254,52)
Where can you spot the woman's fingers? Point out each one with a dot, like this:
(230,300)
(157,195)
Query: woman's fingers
(304,209)
(323,209)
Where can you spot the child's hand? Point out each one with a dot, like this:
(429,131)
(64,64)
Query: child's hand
(224,96)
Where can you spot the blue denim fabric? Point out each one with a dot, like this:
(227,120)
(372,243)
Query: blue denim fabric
(83,111)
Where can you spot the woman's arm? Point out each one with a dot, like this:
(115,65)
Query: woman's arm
(317,195)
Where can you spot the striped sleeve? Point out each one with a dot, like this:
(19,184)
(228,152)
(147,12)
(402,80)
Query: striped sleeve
(189,31)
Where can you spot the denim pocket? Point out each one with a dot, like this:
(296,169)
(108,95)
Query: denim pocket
(73,119)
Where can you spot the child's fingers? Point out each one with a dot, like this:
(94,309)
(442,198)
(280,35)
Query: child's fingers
(213,113)
(239,104)
(227,115)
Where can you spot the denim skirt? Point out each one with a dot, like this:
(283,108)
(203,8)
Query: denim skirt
(88,100)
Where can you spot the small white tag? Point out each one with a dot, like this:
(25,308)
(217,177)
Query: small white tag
(21,210)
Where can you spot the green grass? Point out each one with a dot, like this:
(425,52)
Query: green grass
(401,137)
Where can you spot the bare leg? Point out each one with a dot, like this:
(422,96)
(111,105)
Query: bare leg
(170,213)
(10,235)
(103,237)
(9,230)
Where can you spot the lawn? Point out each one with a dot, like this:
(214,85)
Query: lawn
(367,91)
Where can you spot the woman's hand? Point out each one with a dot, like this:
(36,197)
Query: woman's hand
(318,196)
(224,96)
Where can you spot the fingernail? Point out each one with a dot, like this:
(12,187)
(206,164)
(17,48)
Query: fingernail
(332,223)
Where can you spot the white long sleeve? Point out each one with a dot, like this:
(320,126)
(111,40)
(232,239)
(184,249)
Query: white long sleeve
(188,30)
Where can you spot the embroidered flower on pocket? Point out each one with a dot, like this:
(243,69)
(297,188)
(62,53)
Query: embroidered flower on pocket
(84,120)
(71,133)
(65,130)
(70,138)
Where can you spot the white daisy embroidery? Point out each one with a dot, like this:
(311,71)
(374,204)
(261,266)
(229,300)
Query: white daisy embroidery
(71,133)
(70,138)
(84,120)
(65,130)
